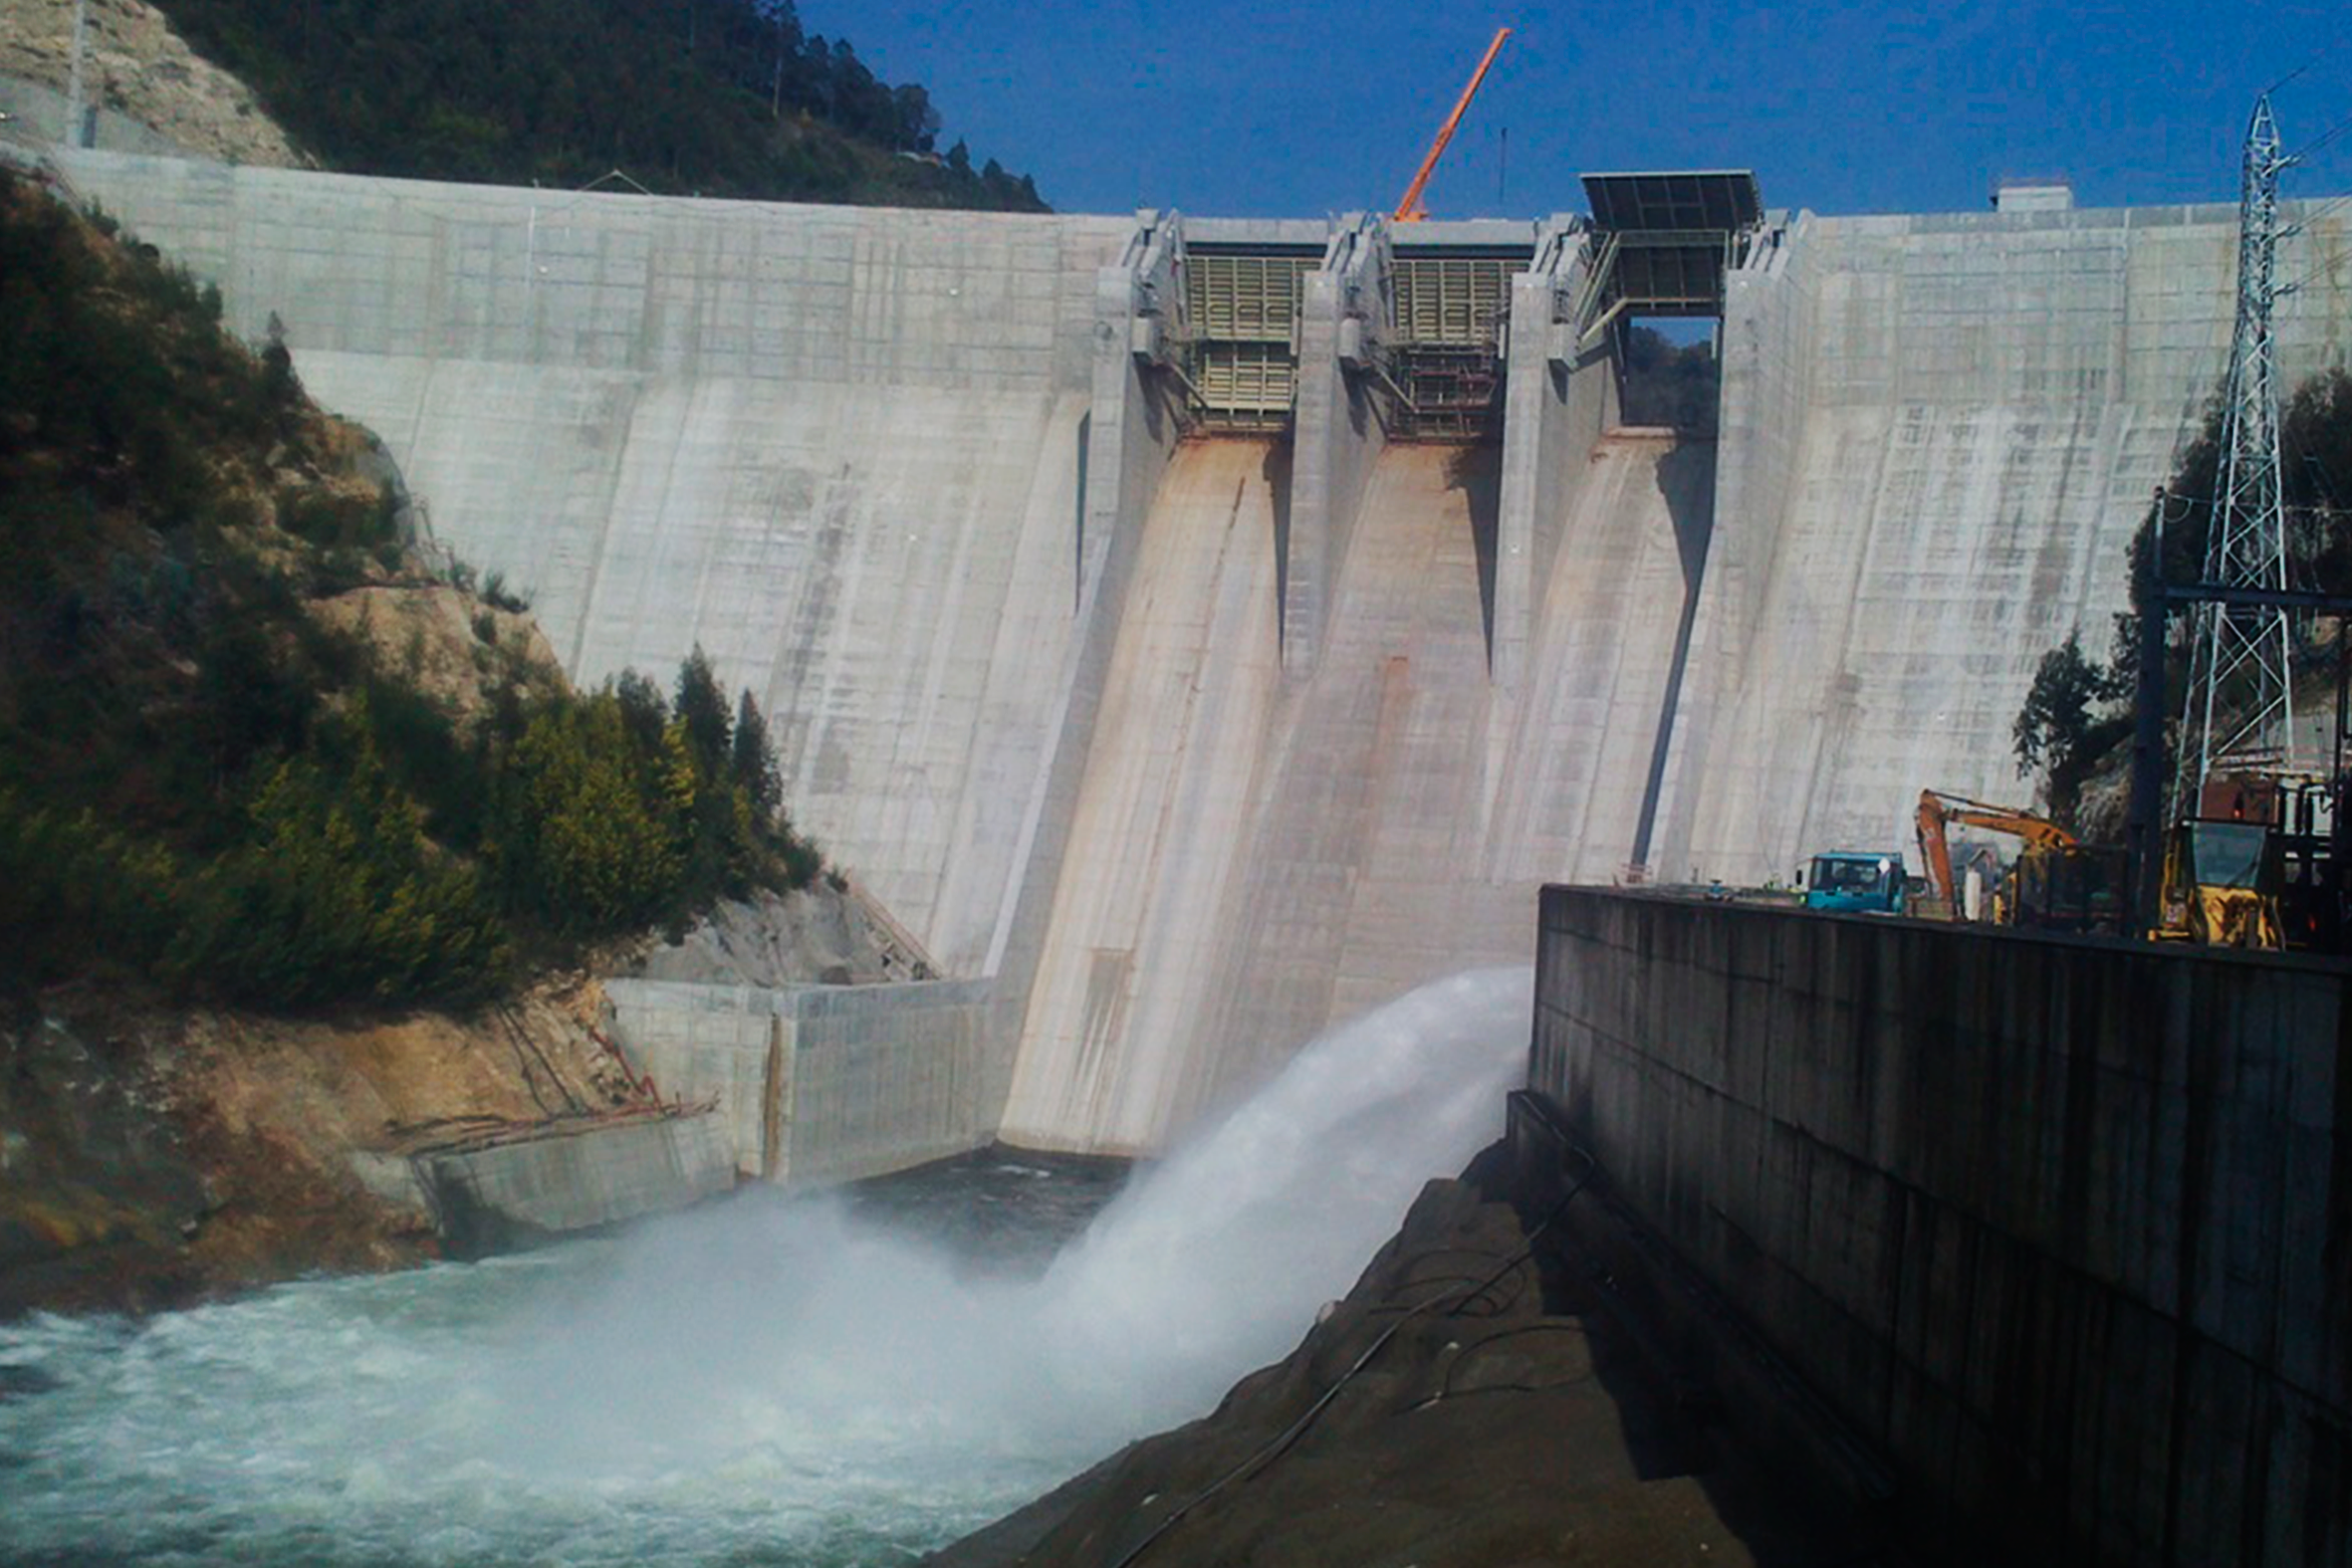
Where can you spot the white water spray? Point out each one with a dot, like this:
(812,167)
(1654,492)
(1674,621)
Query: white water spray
(761,1374)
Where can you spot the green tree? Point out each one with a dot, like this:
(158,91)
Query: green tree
(722,97)
(751,766)
(2061,729)
(338,893)
(702,706)
(580,844)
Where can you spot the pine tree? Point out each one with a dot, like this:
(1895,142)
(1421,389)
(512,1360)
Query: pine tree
(753,768)
(702,706)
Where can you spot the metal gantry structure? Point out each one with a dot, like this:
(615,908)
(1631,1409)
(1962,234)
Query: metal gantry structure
(2239,697)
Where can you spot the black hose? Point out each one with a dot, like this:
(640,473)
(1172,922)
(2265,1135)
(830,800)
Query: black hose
(1445,1387)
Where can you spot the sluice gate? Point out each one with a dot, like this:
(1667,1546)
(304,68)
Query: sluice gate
(1450,310)
(1240,354)
(1423,325)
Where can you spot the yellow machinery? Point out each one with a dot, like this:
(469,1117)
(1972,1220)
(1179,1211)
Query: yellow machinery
(2220,886)
(1408,207)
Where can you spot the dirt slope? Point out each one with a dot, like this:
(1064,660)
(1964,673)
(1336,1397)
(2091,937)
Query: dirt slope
(137,66)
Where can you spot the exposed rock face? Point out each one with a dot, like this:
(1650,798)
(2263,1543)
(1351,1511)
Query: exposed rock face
(1485,1416)
(446,643)
(135,63)
(151,1156)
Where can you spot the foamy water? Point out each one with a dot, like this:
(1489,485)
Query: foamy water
(762,1380)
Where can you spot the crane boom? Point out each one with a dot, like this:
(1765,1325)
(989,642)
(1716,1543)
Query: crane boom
(1408,207)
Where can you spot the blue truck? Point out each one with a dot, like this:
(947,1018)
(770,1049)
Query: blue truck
(1857,881)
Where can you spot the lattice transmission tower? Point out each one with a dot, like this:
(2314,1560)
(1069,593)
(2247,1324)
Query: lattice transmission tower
(2240,700)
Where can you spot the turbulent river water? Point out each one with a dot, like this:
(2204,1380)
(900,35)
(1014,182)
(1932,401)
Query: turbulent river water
(847,1380)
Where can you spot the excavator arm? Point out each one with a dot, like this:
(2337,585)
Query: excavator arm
(1937,811)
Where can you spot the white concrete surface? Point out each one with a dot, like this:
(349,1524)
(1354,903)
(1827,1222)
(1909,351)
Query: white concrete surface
(1938,436)
(1257,856)
(1160,841)
(820,1084)
(1630,540)
(504,1195)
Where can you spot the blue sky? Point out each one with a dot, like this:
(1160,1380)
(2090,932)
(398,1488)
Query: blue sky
(1230,108)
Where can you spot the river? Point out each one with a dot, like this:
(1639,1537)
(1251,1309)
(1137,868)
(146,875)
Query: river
(847,1379)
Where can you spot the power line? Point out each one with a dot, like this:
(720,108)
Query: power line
(2332,46)
(2323,142)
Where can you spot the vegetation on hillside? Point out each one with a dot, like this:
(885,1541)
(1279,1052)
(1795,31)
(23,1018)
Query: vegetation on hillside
(726,98)
(210,775)
(2077,716)
(1676,385)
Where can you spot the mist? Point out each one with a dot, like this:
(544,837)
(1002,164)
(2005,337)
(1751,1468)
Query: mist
(766,1372)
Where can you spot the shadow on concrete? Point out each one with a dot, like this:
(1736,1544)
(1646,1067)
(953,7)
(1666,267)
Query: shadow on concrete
(1077,589)
(1477,471)
(1278,489)
(1686,478)
(1598,1264)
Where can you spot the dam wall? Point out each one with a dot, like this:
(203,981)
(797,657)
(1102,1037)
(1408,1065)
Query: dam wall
(1561,396)
(1194,744)
(2057,1227)
(1337,437)
(1939,434)
(501,1195)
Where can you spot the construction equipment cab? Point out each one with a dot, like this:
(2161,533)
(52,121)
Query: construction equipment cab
(1856,881)
(2221,887)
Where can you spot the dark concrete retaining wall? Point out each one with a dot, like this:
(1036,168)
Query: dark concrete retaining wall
(2063,1228)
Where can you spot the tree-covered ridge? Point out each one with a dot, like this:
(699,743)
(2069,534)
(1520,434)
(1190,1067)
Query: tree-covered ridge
(218,769)
(1669,384)
(726,98)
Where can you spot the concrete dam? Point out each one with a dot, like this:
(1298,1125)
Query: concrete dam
(1195,630)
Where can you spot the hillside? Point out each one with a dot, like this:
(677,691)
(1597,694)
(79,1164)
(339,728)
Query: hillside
(255,742)
(722,98)
(309,853)
(135,65)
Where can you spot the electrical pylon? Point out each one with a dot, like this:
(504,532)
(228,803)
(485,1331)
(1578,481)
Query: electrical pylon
(2241,698)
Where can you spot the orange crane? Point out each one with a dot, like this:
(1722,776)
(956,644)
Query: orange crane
(1408,207)
(1937,809)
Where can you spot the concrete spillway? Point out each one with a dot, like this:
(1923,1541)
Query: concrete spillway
(1182,749)
(1252,857)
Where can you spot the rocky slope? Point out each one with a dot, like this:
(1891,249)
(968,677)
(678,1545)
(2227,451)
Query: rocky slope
(1467,1405)
(154,1154)
(137,66)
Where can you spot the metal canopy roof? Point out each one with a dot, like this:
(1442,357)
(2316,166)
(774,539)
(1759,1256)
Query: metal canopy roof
(1685,199)
(1666,238)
